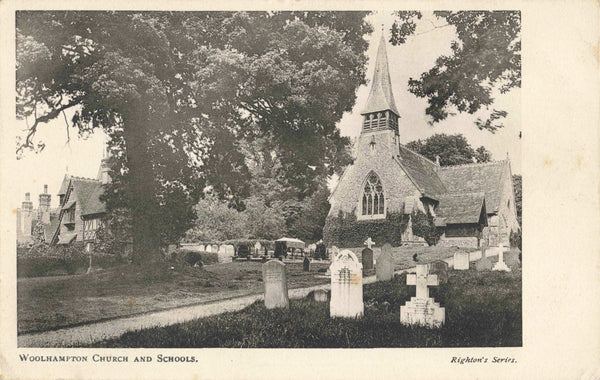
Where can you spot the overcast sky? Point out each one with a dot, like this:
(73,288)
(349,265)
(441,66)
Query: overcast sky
(82,156)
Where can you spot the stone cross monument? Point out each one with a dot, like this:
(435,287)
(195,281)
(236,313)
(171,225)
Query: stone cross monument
(421,309)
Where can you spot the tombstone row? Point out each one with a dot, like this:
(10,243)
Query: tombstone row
(347,289)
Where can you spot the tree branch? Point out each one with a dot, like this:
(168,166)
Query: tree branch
(42,119)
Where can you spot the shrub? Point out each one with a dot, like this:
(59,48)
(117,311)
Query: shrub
(190,257)
(423,226)
(346,231)
(515,240)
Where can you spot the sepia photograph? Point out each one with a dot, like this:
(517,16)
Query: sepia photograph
(236,180)
(269,179)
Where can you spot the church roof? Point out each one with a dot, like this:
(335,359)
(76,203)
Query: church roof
(422,172)
(486,177)
(461,208)
(381,97)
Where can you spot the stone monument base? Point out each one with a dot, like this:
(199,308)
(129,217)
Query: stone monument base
(425,312)
(501,266)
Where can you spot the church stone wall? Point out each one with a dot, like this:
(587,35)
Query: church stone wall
(375,152)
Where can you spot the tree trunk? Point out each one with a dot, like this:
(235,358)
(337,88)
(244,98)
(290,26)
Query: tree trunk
(140,190)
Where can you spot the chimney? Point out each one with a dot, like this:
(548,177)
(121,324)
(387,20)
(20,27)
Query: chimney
(44,206)
(27,205)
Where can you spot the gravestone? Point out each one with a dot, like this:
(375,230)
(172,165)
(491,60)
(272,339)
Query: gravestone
(320,295)
(439,268)
(421,309)
(274,278)
(369,243)
(367,258)
(201,247)
(461,261)
(500,265)
(257,249)
(346,286)
(306,265)
(384,267)
(208,248)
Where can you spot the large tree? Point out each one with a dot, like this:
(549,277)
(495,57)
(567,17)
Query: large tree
(451,149)
(485,58)
(179,93)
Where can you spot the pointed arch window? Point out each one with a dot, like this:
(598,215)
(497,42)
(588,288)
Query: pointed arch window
(373,199)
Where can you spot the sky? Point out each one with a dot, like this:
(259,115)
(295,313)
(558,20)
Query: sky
(81,157)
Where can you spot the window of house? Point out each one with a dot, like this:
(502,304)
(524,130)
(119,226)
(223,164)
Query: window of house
(373,200)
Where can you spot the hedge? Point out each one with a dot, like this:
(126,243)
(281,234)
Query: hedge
(63,261)
(345,231)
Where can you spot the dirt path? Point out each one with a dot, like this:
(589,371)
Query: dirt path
(93,332)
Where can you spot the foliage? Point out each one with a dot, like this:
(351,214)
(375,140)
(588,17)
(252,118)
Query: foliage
(515,240)
(486,57)
(192,258)
(345,231)
(477,315)
(262,221)
(180,93)
(308,225)
(518,188)
(39,246)
(216,221)
(452,149)
(423,226)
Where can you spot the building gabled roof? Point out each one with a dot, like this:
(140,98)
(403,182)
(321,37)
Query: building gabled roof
(381,97)
(65,185)
(88,195)
(422,172)
(486,177)
(461,208)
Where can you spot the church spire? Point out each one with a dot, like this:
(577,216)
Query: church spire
(381,97)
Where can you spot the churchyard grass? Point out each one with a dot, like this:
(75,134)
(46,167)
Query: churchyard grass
(47,303)
(403,255)
(483,309)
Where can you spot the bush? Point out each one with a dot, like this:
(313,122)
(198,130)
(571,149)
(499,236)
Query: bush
(190,257)
(345,231)
(515,240)
(41,260)
(423,226)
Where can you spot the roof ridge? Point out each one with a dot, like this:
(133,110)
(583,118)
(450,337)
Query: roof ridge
(84,179)
(418,154)
(489,163)
(465,193)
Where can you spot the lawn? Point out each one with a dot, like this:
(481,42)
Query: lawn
(483,309)
(46,303)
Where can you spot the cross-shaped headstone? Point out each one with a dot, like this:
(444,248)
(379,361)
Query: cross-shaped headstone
(501,265)
(422,279)
(369,243)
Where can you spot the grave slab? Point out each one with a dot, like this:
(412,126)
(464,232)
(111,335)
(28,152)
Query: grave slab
(275,282)
(384,267)
(461,261)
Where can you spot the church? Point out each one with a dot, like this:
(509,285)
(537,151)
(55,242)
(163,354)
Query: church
(467,205)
